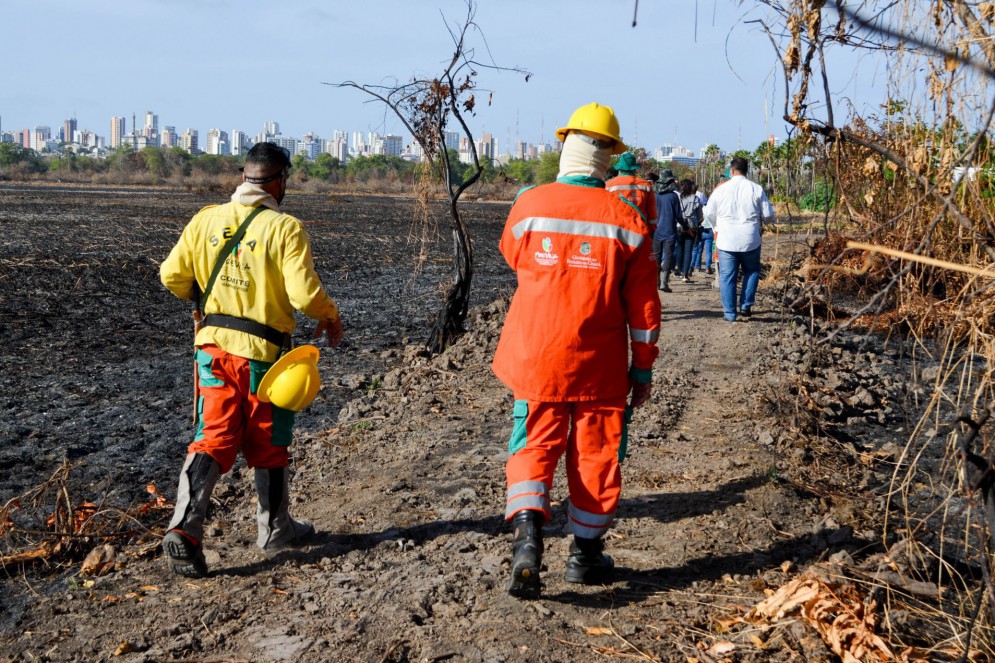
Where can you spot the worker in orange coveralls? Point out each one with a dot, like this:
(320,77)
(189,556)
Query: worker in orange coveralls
(634,189)
(586,293)
(249,314)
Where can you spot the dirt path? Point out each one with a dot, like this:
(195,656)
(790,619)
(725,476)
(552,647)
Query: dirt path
(400,466)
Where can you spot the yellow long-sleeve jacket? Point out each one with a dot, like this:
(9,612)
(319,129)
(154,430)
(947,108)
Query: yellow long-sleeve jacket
(268,275)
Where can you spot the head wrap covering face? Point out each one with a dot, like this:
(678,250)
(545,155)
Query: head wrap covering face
(581,157)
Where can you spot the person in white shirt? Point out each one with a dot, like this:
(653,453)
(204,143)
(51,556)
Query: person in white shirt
(736,210)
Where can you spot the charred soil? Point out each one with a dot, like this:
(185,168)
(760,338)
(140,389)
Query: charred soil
(399,462)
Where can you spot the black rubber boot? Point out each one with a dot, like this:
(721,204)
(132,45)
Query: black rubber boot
(588,564)
(277,529)
(183,543)
(527,551)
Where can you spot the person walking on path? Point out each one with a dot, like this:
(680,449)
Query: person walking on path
(691,211)
(248,318)
(635,189)
(702,256)
(668,205)
(585,296)
(736,210)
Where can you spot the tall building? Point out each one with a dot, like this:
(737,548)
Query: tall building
(487,147)
(358,145)
(213,138)
(271,128)
(168,137)
(393,145)
(40,137)
(188,141)
(287,142)
(151,125)
(217,142)
(24,138)
(310,146)
(117,132)
(69,130)
(239,142)
(452,140)
(338,148)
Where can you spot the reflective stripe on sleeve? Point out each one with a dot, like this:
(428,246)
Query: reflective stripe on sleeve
(644,335)
(527,495)
(579,228)
(629,187)
(589,525)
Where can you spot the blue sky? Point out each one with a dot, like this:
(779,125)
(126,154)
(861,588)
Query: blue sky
(239,63)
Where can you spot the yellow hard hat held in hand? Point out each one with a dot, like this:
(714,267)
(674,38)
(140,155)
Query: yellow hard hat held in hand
(293,381)
(595,119)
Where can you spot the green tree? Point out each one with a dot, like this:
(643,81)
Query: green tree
(301,167)
(12,154)
(178,160)
(521,170)
(155,163)
(548,168)
(326,167)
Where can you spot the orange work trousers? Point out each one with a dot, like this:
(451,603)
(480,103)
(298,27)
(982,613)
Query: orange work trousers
(232,418)
(590,433)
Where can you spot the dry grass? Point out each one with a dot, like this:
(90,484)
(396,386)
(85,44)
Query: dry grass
(48,525)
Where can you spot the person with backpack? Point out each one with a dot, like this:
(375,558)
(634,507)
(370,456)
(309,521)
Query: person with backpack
(690,229)
(702,255)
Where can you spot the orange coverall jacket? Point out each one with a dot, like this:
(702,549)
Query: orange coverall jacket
(636,190)
(586,288)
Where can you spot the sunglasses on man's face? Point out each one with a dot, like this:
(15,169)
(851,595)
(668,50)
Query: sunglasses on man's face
(285,173)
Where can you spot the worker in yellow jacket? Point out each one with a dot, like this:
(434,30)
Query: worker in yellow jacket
(248,314)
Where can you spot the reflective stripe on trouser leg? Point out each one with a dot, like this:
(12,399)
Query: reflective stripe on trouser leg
(593,471)
(588,525)
(527,495)
(531,466)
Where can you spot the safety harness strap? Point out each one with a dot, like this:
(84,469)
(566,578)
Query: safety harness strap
(274,336)
(225,251)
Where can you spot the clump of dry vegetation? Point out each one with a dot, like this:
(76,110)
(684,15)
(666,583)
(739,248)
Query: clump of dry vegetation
(48,526)
(908,251)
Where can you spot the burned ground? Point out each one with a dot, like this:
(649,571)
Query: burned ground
(399,462)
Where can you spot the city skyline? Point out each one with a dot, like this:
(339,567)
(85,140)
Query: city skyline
(146,133)
(685,74)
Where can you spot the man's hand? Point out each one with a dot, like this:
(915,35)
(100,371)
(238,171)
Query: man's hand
(640,393)
(334,329)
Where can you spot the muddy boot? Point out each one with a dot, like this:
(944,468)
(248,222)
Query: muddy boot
(588,564)
(183,543)
(527,551)
(276,528)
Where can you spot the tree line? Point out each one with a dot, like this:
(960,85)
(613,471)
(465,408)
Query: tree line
(791,171)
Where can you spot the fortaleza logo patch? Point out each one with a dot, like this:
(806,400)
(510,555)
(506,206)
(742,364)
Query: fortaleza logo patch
(546,256)
(585,260)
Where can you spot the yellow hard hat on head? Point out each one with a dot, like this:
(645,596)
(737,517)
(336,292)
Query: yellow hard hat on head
(595,119)
(293,382)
